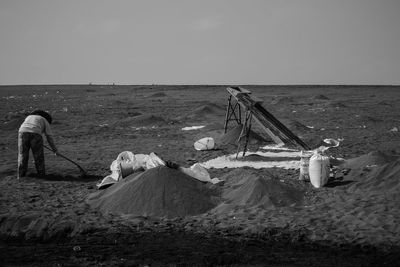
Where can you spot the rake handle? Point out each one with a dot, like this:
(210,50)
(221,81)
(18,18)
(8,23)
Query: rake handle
(64,157)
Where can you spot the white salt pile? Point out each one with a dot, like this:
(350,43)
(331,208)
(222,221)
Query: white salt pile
(282,159)
(190,128)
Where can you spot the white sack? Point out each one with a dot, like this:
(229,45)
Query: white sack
(318,169)
(206,143)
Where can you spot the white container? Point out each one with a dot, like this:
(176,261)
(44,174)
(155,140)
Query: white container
(206,143)
(318,170)
(304,165)
(126,168)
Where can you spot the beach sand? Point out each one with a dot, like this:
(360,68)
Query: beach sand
(255,217)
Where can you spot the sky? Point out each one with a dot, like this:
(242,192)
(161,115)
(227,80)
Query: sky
(232,42)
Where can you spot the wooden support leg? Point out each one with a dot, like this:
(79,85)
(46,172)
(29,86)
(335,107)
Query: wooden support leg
(227,114)
(239,115)
(245,133)
(248,122)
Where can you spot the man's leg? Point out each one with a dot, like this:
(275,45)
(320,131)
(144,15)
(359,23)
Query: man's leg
(38,153)
(23,154)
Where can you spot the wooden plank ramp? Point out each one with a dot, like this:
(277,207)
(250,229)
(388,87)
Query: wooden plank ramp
(271,125)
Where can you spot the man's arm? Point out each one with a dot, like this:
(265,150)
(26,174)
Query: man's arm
(51,143)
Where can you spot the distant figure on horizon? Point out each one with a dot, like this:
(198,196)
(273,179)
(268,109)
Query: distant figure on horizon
(30,137)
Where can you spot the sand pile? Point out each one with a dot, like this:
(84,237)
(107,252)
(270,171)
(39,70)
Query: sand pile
(320,97)
(158,192)
(383,180)
(369,160)
(12,124)
(250,189)
(13,120)
(205,112)
(336,104)
(140,121)
(384,103)
(214,126)
(364,164)
(368,119)
(282,100)
(232,136)
(158,94)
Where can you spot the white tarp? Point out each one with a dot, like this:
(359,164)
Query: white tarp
(127,163)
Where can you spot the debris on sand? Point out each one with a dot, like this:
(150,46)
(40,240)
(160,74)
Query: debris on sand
(158,192)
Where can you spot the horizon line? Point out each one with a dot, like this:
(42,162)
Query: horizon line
(188,84)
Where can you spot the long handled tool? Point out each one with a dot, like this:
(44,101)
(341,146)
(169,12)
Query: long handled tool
(83,172)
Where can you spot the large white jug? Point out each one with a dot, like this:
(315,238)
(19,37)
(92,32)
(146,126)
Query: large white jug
(318,169)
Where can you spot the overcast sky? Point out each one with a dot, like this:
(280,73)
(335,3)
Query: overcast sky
(200,42)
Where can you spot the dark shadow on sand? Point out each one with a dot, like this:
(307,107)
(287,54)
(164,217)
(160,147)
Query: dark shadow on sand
(69,178)
(338,183)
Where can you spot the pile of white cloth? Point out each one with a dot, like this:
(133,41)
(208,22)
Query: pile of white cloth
(127,163)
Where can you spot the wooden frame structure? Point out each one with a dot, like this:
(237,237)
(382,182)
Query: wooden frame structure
(241,98)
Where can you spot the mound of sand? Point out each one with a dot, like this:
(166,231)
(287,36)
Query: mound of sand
(158,94)
(213,126)
(205,112)
(12,124)
(384,103)
(282,100)
(158,192)
(320,97)
(232,136)
(371,159)
(13,120)
(248,188)
(140,121)
(367,119)
(383,180)
(336,104)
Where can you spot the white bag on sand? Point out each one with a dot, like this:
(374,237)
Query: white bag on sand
(206,143)
(154,161)
(127,163)
(200,173)
(318,169)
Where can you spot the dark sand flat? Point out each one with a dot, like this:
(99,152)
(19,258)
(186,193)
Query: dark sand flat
(256,217)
